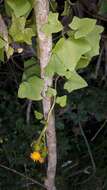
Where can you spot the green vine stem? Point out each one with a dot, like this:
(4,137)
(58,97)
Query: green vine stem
(48,117)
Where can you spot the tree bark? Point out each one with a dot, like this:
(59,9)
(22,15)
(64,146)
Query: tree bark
(41,9)
(4,32)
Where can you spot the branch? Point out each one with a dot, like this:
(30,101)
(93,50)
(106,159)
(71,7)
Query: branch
(97,133)
(28,111)
(22,175)
(90,154)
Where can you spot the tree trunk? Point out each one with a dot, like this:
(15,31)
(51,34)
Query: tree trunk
(4,32)
(41,9)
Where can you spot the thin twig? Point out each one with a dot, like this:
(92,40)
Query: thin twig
(51,5)
(50,111)
(22,175)
(27,185)
(105,45)
(99,130)
(28,111)
(88,147)
(98,63)
(85,170)
(90,154)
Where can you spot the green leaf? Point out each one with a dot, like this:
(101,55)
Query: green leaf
(18,31)
(31,68)
(82,26)
(68,74)
(53,25)
(2,43)
(38,115)
(55,66)
(2,54)
(9,52)
(19,7)
(88,29)
(66,9)
(17,28)
(23,91)
(27,35)
(75,82)
(31,89)
(51,92)
(69,51)
(93,38)
(82,63)
(62,100)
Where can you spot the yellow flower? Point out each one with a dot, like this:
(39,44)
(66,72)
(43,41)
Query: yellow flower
(35,156)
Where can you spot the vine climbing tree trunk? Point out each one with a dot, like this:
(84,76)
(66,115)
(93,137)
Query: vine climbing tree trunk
(41,9)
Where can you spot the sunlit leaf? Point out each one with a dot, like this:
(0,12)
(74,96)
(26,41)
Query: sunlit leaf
(2,43)
(62,100)
(18,31)
(75,82)
(51,92)
(19,7)
(53,25)
(82,63)
(38,115)
(55,66)
(27,35)
(70,51)
(93,39)
(17,28)
(9,52)
(31,89)
(66,9)
(82,26)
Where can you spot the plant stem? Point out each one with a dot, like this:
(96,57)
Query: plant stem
(41,9)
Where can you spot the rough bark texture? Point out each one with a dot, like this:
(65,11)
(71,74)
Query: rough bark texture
(41,8)
(4,32)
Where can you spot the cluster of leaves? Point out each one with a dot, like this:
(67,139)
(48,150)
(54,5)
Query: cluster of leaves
(17,31)
(75,52)
(80,46)
(68,55)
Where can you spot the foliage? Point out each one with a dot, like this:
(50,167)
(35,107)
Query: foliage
(71,53)
(103,7)
(18,32)
(83,34)
(29,90)
(53,25)
(61,101)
